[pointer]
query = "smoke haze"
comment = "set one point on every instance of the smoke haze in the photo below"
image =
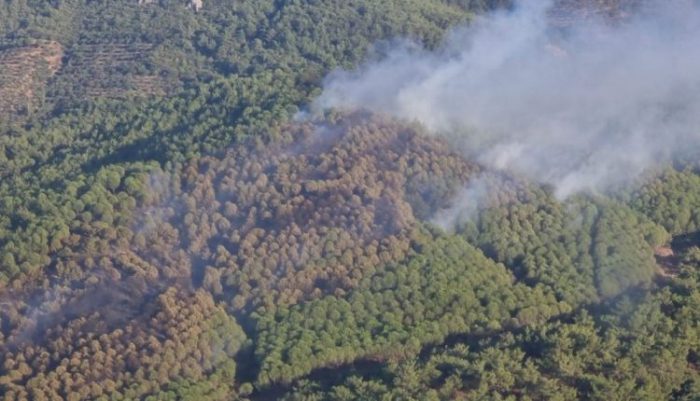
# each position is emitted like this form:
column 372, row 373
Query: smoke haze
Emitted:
column 469, row 201
column 583, row 109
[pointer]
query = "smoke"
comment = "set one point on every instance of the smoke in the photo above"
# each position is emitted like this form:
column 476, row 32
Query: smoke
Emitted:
column 584, row 109
column 465, row 206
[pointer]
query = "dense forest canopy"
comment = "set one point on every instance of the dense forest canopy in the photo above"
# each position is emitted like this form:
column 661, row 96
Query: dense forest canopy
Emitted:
column 175, row 224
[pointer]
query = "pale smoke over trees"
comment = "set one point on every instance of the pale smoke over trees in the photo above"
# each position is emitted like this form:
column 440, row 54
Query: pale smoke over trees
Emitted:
column 584, row 109
column 465, row 206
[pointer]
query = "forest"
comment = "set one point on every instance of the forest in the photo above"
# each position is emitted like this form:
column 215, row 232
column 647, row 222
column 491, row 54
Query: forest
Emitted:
column 172, row 229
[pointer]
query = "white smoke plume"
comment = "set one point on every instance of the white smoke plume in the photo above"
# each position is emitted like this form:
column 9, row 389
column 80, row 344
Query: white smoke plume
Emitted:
column 469, row 201
column 583, row 109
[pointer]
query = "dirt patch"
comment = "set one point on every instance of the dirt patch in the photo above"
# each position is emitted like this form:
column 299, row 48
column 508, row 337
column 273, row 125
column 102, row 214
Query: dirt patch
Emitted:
column 25, row 73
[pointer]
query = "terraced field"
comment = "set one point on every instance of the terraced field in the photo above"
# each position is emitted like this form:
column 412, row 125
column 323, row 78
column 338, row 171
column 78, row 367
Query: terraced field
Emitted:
column 116, row 65
column 25, row 74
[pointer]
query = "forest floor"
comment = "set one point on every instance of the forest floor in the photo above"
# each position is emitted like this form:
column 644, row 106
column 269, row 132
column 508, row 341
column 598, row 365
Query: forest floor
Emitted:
column 669, row 258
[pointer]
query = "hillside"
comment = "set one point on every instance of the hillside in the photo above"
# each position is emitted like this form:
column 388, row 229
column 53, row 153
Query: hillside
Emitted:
column 175, row 224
